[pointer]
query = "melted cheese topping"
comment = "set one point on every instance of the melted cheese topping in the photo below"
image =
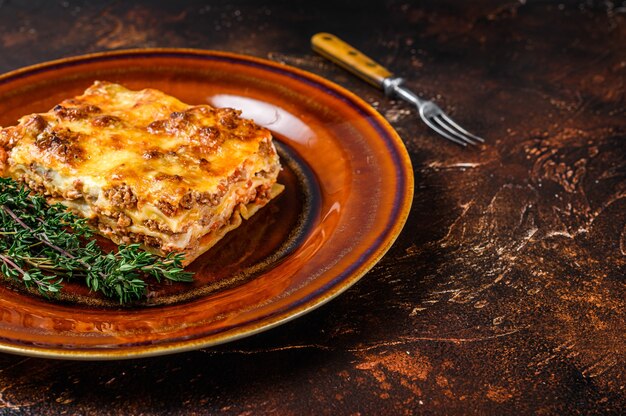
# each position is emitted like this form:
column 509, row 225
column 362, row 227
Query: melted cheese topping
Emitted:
column 169, row 170
column 146, row 139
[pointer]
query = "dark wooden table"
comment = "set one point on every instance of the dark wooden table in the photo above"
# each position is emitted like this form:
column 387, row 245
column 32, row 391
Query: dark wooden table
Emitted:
column 504, row 294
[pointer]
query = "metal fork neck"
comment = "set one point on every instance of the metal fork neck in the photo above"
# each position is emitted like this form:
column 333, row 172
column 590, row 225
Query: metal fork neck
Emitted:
column 394, row 87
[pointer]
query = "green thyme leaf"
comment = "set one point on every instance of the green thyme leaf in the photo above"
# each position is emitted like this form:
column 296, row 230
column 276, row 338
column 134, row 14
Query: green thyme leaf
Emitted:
column 41, row 244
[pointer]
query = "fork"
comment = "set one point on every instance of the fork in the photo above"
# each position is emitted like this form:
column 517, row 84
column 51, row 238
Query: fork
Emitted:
column 344, row 55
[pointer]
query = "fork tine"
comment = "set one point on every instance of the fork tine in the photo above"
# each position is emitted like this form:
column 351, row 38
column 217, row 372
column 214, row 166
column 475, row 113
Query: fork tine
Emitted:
column 442, row 132
column 454, row 132
column 461, row 129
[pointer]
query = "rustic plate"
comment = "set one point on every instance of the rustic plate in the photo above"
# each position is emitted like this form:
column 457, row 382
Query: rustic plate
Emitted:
column 349, row 187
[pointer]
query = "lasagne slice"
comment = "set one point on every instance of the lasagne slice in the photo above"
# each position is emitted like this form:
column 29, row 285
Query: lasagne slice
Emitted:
column 144, row 167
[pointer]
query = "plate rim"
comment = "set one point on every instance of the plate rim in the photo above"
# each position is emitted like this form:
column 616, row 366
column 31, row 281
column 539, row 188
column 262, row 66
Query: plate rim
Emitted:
column 265, row 323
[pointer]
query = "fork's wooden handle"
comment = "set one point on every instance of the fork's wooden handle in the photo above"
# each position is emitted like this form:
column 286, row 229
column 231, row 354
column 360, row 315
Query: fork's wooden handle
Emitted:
column 338, row 51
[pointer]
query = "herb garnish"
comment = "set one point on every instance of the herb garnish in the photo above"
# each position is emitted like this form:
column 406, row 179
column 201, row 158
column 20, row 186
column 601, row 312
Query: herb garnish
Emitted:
column 42, row 244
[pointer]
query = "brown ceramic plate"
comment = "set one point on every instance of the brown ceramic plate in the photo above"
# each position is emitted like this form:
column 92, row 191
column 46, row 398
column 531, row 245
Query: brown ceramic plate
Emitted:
column 349, row 186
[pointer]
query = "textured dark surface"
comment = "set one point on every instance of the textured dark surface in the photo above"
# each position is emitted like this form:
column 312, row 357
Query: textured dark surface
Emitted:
column 504, row 294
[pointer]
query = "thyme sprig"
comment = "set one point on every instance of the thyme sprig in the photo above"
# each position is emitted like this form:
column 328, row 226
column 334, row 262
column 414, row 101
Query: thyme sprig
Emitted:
column 42, row 245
